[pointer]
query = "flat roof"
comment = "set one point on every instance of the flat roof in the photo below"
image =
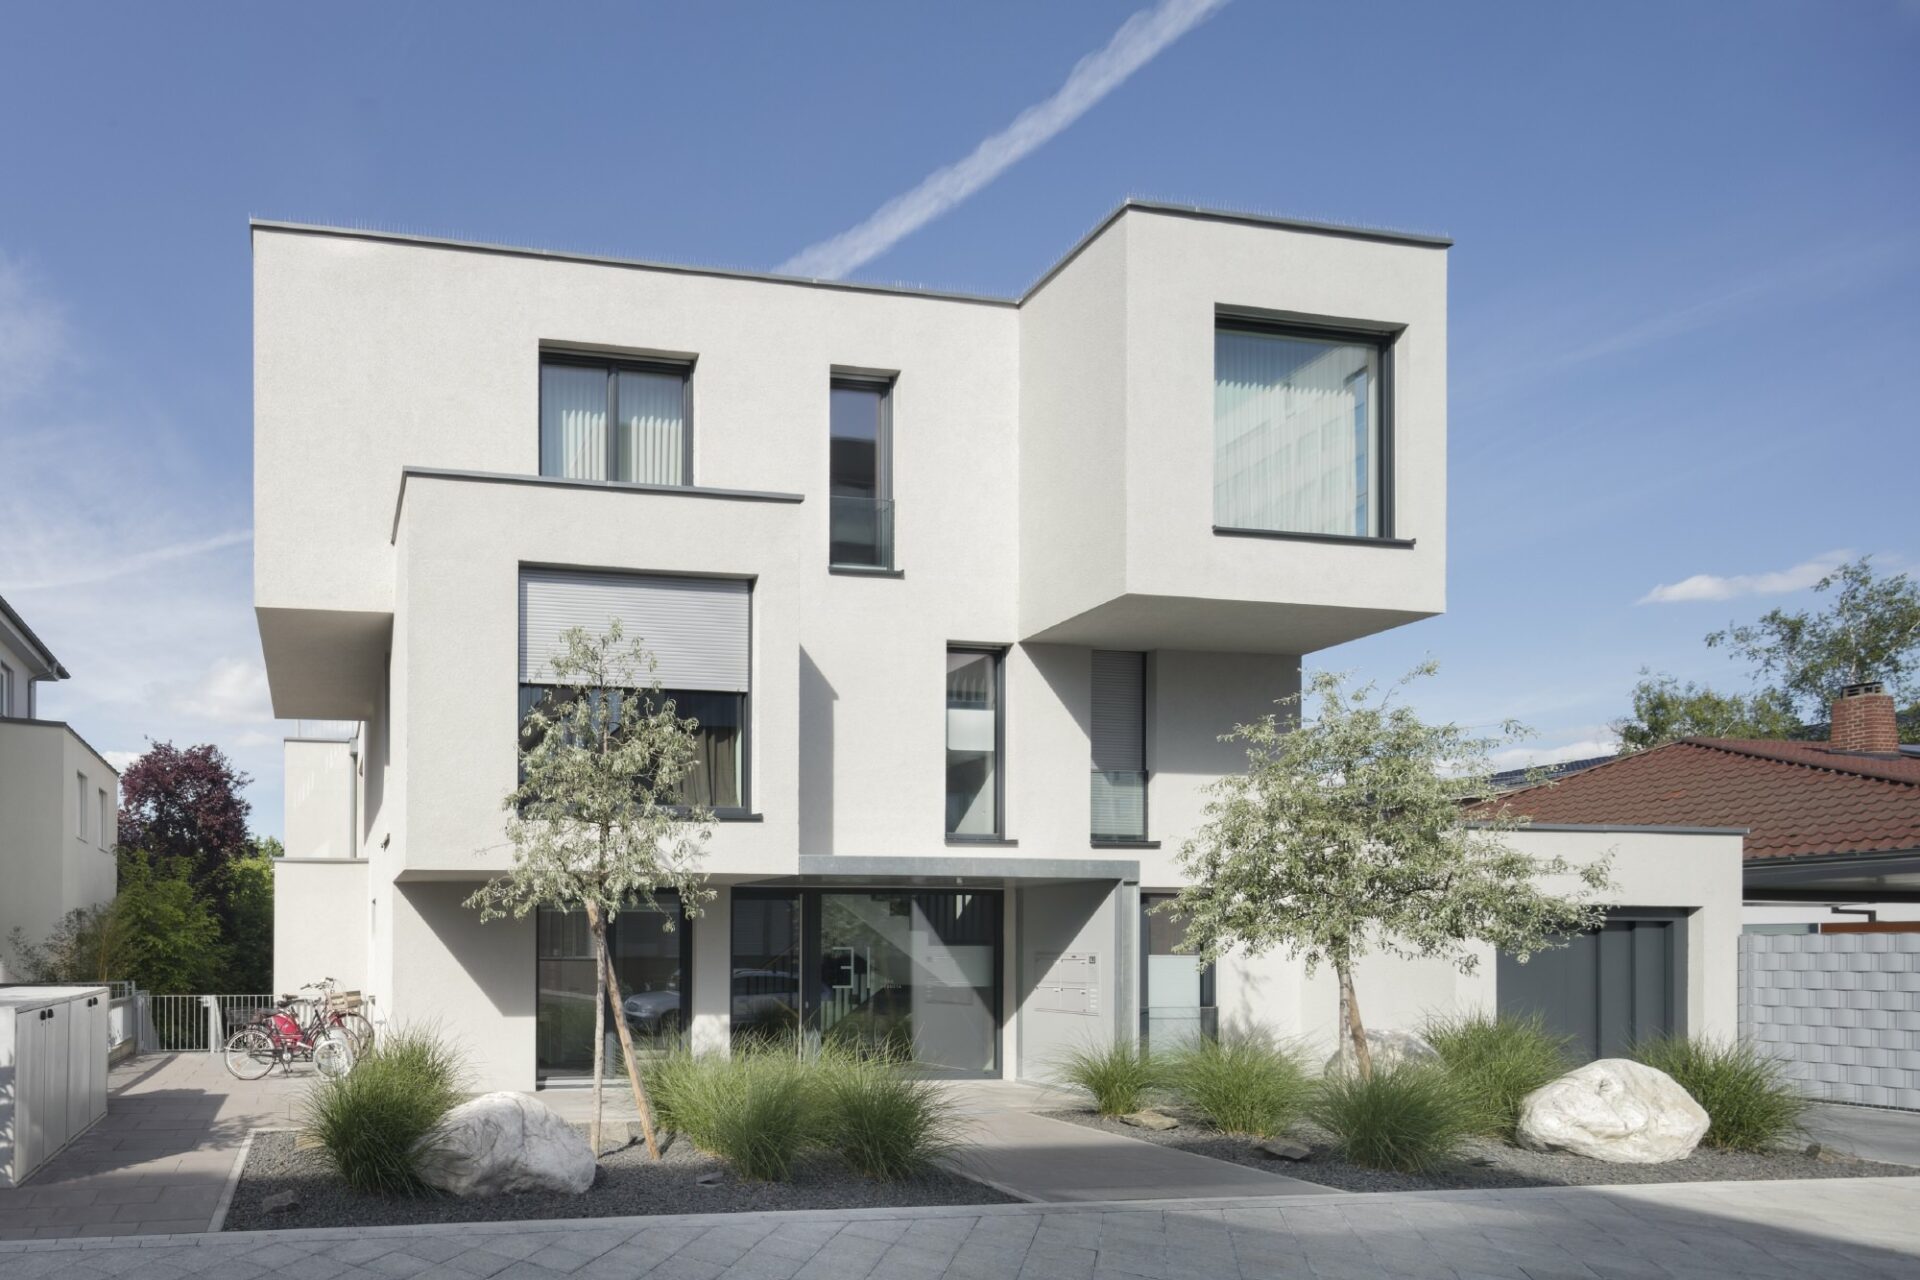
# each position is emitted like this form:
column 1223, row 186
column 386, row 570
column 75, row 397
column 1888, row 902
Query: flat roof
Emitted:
column 1201, row 212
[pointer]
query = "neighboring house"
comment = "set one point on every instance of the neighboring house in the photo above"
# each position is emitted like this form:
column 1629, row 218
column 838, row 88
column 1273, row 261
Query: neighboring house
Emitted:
column 59, row 801
column 1828, row 824
column 962, row 591
column 1830, row 957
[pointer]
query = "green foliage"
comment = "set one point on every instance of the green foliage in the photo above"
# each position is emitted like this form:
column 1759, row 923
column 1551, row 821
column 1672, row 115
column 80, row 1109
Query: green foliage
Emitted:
column 83, row 947
column 755, row 1109
column 1496, row 1062
column 1118, row 1074
column 883, row 1121
column 1868, row 630
column 1748, row 1099
column 1242, row 1083
column 1352, row 833
column 168, row 937
column 247, row 887
column 371, row 1123
column 1408, row 1119
column 1667, row 710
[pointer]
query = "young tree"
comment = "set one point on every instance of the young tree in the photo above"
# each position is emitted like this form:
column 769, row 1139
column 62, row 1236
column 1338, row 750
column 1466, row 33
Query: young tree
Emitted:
column 169, row 938
column 1870, row 630
column 1352, row 833
column 1666, row 710
column 598, row 821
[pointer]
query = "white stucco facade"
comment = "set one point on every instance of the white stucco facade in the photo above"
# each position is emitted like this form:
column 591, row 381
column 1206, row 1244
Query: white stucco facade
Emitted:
column 59, row 803
column 1052, row 479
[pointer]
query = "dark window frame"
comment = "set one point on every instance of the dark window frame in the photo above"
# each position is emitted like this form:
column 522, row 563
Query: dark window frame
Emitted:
column 883, row 385
column 612, row 366
column 1209, row 977
column 741, row 812
column 999, row 654
column 1384, row 341
column 683, row 928
column 1146, row 840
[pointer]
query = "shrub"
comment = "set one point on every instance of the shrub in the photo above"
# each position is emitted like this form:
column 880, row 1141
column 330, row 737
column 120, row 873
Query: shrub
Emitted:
column 1118, row 1075
column 372, row 1122
column 884, row 1122
column 1241, row 1084
column 755, row 1109
column 1748, row 1100
column 1407, row 1119
column 1496, row 1062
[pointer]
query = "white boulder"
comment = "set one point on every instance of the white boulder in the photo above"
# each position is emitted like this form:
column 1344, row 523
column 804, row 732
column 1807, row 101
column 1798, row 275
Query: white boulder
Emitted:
column 1616, row 1110
column 1388, row 1050
column 505, row 1142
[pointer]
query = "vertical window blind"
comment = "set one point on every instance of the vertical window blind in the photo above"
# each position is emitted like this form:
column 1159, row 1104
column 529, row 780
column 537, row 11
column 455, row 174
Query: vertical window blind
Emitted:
column 648, row 410
column 1296, row 426
column 1119, row 783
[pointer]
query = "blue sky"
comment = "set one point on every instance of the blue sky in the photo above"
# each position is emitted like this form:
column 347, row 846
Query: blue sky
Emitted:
column 1683, row 334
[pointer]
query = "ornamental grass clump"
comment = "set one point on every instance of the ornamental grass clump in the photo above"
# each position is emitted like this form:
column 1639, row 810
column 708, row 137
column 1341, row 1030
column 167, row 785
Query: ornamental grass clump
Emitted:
column 1750, row 1103
column 1496, row 1062
column 1407, row 1119
column 1241, row 1084
column 373, row 1123
column 1119, row 1074
column 884, row 1122
column 755, row 1109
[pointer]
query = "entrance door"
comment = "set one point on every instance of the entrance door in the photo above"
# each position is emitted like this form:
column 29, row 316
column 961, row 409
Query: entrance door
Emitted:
column 652, row 962
column 1609, row 989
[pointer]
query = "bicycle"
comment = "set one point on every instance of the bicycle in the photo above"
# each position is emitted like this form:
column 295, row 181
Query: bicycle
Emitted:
column 334, row 1008
column 282, row 1036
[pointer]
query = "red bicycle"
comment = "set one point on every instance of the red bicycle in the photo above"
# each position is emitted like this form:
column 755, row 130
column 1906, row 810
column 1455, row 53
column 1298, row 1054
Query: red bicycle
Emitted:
column 300, row 1029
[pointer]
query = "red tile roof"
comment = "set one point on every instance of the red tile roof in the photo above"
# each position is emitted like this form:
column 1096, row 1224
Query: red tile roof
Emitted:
column 1795, row 798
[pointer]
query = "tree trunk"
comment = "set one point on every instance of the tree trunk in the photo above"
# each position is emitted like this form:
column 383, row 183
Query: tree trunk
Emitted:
column 1350, row 1020
column 599, row 1023
column 626, row 1051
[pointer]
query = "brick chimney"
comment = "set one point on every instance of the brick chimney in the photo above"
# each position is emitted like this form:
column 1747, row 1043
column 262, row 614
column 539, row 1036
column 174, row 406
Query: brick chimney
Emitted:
column 1863, row 720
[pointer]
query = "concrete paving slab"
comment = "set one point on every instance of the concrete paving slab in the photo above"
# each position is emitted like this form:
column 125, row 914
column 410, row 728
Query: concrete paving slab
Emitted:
column 1871, row 1133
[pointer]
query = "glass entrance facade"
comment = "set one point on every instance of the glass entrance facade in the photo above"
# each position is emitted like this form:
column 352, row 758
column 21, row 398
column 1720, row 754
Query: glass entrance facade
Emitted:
column 1176, row 990
column 914, row 973
column 652, row 962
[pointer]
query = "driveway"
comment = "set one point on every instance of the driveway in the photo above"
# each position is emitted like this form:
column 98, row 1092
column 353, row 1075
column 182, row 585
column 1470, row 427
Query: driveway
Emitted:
column 1871, row 1133
column 159, row 1160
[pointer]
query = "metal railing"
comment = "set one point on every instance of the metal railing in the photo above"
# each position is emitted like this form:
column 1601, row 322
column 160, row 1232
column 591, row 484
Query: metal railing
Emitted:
column 861, row 534
column 1119, row 805
column 193, row 1024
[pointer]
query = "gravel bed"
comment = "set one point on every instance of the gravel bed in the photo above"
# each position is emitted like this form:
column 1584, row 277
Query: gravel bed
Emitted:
column 1486, row 1163
column 628, row 1183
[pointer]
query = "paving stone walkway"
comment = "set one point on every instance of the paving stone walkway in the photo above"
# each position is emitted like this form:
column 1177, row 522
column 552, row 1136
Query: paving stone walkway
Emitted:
column 159, row 1160
column 1839, row 1229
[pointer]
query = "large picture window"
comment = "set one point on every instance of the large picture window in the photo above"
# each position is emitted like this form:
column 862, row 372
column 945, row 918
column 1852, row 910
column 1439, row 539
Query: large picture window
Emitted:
column 624, row 420
column 696, row 632
column 1300, row 427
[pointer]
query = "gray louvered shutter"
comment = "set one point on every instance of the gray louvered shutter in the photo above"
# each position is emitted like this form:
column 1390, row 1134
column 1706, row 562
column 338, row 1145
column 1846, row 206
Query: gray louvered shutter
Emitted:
column 1119, row 711
column 696, row 628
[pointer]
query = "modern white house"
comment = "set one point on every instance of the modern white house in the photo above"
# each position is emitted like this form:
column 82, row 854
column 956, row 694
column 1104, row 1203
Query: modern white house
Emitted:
column 59, row 802
column 962, row 591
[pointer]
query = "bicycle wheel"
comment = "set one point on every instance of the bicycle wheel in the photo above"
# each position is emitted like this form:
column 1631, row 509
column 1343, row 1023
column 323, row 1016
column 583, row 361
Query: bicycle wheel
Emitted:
column 251, row 1053
column 333, row 1056
column 359, row 1033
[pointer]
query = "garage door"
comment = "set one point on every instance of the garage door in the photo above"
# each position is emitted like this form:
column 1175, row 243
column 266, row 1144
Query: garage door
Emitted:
column 1619, row 984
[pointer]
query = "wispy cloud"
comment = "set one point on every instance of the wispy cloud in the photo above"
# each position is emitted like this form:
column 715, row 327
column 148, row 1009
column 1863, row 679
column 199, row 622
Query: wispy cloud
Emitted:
column 1138, row 41
column 1712, row 586
column 134, row 562
column 33, row 332
column 1540, row 757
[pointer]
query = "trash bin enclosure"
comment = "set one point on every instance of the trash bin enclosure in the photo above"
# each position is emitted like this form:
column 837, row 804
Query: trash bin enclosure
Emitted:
column 53, row 1072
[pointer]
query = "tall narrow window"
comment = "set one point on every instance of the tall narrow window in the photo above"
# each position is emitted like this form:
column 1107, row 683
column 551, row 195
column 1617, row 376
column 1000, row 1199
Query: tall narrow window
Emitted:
column 80, row 805
column 974, row 743
column 6, row 689
column 1298, row 431
column 1119, row 799
column 860, row 485
column 108, row 828
column 1176, row 990
column 625, row 421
